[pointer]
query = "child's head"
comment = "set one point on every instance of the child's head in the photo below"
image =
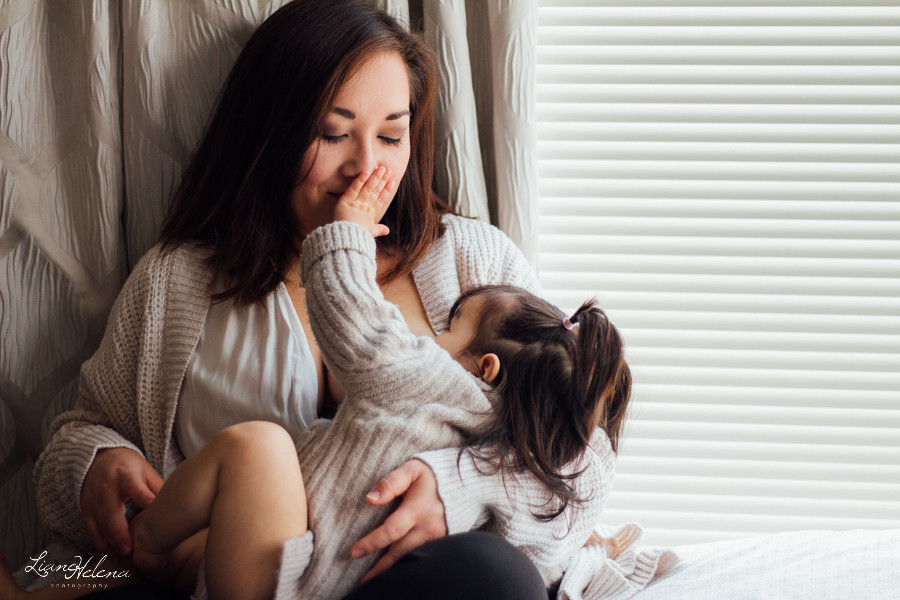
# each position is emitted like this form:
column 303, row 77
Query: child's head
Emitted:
column 558, row 378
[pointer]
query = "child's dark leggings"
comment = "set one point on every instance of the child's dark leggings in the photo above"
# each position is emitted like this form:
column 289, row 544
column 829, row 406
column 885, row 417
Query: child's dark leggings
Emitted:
column 467, row 566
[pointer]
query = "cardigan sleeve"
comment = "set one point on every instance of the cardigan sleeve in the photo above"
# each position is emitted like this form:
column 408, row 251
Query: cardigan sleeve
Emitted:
column 128, row 389
column 507, row 504
column 107, row 381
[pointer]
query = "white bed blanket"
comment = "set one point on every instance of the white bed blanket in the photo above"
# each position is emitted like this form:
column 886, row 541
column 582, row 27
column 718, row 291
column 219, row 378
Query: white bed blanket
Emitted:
column 801, row 565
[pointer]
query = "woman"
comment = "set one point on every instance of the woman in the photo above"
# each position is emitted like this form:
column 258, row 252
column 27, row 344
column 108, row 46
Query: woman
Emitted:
column 211, row 328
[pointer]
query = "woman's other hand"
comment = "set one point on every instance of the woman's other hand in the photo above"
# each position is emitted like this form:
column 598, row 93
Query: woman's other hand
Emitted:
column 116, row 476
column 418, row 519
column 364, row 200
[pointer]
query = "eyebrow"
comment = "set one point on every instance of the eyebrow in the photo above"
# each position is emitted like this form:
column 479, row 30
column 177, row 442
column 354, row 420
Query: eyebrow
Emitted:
column 349, row 114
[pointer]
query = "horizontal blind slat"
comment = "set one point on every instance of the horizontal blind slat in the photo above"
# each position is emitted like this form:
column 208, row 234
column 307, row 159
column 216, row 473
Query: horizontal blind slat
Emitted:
column 724, row 170
column 715, row 189
column 696, row 54
column 770, row 75
column 720, row 36
column 765, row 487
column 854, row 209
column 637, row 466
column 718, row 93
column 593, row 15
column 592, row 225
column 711, row 112
column 808, row 133
column 679, row 152
column 739, row 451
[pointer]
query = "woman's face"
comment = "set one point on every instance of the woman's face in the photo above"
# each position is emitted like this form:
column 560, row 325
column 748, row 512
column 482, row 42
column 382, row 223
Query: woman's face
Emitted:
column 367, row 127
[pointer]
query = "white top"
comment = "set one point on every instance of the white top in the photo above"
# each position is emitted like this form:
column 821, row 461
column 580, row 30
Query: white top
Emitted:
column 251, row 364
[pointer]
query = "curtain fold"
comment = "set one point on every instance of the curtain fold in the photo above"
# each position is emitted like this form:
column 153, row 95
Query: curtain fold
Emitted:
column 485, row 135
column 101, row 104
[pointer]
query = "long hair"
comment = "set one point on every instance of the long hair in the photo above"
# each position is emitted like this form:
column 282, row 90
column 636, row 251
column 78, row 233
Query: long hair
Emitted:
column 555, row 385
column 234, row 195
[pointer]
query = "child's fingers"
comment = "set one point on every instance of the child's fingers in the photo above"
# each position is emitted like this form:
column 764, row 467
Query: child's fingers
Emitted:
column 387, row 192
column 356, row 186
column 377, row 181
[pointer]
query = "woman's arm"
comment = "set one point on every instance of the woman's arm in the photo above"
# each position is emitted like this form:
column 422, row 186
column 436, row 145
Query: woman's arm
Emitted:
column 127, row 384
column 78, row 436
column 470, row 498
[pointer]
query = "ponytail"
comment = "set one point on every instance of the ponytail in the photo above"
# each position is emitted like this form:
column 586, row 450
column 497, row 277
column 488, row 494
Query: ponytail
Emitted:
column 560, row 378
column 600, row 374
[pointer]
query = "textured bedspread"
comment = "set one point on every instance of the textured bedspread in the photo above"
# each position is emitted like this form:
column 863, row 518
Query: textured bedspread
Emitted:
column 803, row 565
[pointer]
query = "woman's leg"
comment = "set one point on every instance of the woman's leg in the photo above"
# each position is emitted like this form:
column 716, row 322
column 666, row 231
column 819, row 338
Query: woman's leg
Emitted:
column 246, row 486
column 472, row 565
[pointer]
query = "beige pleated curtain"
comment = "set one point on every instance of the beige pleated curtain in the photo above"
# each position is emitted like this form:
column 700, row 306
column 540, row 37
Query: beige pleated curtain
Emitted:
column 101, row 103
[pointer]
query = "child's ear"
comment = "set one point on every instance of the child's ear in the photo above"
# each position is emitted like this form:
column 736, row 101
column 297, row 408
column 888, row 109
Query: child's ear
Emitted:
column 489, row 366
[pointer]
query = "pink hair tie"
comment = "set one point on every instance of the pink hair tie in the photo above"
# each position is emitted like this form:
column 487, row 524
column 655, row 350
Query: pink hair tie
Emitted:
column 568, row 324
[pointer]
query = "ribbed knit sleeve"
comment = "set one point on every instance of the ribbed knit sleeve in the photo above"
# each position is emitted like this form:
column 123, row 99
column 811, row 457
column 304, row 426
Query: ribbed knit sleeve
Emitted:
column 129, row 388
column 510, row 503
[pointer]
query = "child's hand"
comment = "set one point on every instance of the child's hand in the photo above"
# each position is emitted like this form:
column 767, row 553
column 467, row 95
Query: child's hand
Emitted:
column 364, row 200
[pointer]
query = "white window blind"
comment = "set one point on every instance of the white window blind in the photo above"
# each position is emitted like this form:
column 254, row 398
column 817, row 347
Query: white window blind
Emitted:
column 725, row 178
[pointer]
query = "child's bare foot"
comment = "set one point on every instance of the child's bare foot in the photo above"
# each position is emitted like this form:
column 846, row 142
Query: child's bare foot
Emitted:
column 8, row 587
column 146, row 556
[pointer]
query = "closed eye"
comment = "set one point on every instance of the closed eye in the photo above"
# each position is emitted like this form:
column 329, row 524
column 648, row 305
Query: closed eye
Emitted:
column 391, row 141
column 333, row 139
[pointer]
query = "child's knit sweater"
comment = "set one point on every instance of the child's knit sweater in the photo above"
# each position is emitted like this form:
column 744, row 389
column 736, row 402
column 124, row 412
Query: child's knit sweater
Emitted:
column 405, row 395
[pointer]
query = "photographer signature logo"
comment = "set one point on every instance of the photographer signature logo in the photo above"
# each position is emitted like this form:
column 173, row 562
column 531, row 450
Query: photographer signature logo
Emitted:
column 80, row 568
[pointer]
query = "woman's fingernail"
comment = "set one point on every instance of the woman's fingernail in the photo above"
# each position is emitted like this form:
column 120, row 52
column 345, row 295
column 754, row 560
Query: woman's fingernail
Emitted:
column 358, row 553
column 373, row 495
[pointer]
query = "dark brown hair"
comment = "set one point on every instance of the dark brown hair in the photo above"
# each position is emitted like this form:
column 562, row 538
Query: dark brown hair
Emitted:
column 555, row 385
column 234, row 195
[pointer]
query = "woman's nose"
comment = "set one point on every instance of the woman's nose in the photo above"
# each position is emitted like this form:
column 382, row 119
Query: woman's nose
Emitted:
column 361, row 158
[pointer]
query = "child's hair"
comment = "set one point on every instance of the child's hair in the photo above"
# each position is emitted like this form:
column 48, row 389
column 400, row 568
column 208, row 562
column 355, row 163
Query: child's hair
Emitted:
column 558, row 380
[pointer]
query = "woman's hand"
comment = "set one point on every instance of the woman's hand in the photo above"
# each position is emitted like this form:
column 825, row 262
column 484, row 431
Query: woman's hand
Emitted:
column 364, row 200
column 418, row 519
column 116, row 476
